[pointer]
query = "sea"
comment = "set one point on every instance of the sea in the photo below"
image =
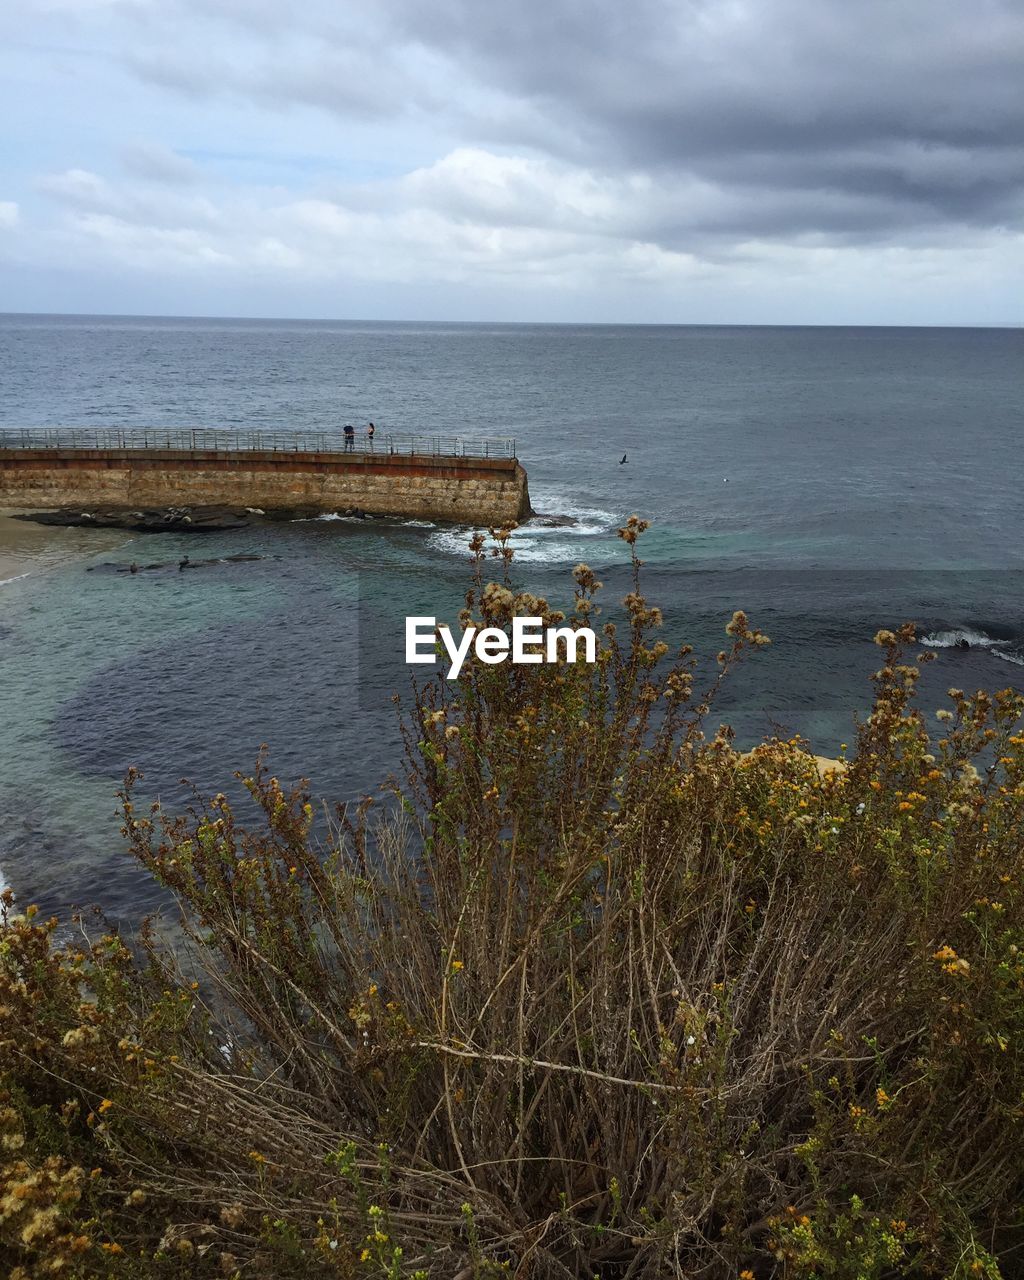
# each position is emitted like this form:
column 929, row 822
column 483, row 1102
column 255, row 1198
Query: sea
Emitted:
column 829, row 481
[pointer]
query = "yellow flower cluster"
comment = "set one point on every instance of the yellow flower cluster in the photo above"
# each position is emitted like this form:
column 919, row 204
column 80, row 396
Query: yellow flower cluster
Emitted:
column 951, row 962
column 35, row 1207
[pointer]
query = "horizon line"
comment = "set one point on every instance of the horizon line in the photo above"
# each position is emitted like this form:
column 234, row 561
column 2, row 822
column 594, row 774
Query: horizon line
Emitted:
column 587, row 324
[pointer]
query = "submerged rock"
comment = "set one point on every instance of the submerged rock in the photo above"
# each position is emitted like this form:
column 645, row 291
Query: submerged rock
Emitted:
column 110, row 566
column 553, row 522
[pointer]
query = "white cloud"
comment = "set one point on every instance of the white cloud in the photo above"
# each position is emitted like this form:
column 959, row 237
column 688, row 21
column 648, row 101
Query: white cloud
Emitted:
column 515, row 190
column 138, row 204
column 8, row 215
column 473, row 215
column 79, row 188
column 479, row 220
column 149, row 248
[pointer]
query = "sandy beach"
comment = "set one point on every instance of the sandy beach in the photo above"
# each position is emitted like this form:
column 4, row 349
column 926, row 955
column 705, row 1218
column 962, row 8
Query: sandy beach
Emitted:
column 21, row 546
column 28, row 548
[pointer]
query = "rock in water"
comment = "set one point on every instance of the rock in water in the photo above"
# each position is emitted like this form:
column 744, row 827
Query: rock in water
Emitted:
column 160, row 520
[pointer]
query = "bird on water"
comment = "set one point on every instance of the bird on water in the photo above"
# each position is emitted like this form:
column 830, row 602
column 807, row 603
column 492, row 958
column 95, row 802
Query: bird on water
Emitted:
column 622, row 459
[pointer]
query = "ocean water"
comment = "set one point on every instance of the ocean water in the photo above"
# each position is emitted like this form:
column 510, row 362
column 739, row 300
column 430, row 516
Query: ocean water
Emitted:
column 829, row 481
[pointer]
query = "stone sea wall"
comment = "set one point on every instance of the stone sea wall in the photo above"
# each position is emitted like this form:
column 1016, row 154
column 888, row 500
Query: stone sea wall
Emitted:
column 481, row 491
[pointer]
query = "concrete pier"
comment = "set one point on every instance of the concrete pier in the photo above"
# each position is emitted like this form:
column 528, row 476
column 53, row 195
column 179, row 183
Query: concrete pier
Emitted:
column 477, row 482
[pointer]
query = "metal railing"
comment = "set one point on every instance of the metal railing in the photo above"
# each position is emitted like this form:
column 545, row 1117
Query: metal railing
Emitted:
column 201, row 439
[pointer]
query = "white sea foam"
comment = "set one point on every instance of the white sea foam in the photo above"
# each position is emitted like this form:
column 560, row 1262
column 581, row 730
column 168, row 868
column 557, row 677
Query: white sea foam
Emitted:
column 951, row 638
column 549, row 551
column 588, row 524
column 1004, row 650
column 537, row 543
column 589, row 520
column 556, row 546
column 326, row 515
column 17, row 578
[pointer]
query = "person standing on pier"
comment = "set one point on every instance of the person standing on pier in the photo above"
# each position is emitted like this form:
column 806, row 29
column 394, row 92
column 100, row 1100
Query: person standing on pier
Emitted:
column 371, row 431
column 350, row 437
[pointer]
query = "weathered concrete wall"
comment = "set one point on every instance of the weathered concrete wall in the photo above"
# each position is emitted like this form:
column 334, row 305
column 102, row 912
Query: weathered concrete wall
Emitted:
column 483, row 491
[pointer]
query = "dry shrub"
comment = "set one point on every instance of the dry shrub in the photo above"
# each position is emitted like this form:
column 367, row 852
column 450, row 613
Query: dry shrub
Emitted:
column 607, row 999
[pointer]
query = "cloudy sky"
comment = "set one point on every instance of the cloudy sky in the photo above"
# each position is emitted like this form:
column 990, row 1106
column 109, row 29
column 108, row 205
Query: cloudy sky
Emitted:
column 736, row 161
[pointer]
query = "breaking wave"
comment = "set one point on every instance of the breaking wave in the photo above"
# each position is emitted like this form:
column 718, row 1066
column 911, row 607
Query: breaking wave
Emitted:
column 538, row 542
column 954, row 637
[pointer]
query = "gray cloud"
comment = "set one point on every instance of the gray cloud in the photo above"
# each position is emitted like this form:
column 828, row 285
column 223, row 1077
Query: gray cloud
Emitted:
column 154, row 162
column 866, row 117
column 852, row 120
column 342, row 59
